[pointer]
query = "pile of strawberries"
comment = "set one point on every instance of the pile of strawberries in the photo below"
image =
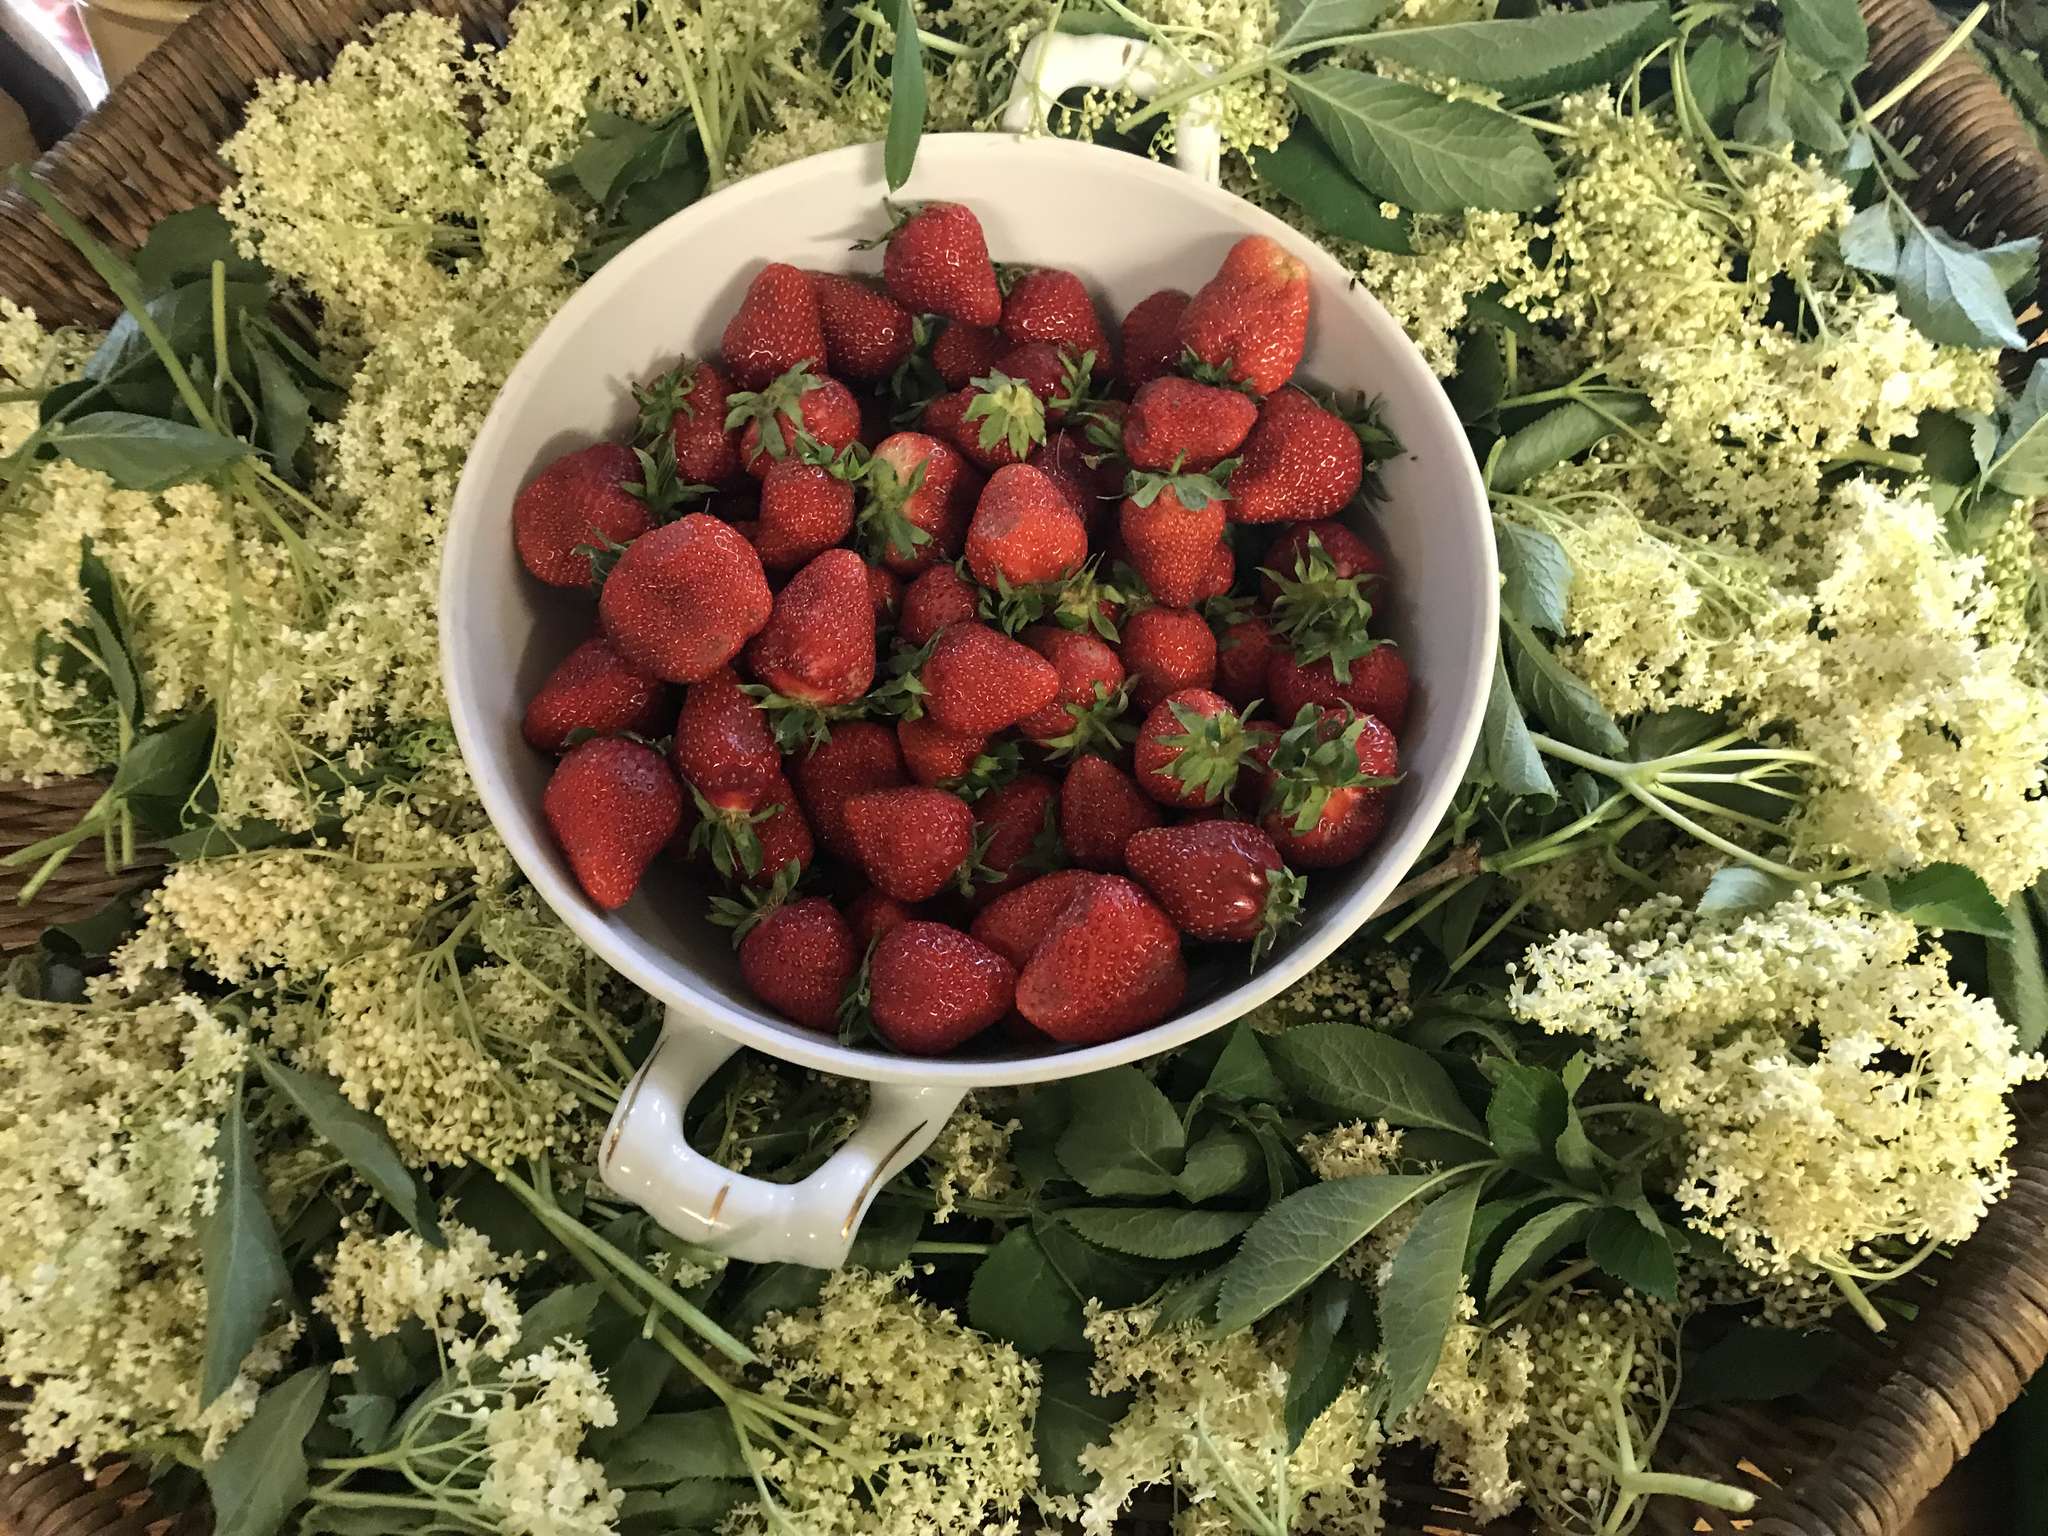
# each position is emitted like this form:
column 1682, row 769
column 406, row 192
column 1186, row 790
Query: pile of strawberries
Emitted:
column 982, row 719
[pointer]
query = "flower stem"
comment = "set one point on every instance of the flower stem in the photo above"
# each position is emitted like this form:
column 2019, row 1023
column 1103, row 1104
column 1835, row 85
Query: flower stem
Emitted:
column 1927, row 66
column 1703, row 1490
column 1858, row 1301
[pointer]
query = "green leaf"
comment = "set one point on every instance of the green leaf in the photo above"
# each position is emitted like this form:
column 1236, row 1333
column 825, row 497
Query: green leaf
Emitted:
column 360, row 1137
column 1557, row 695
column 772, row 1288
column 1506, row 756
column 1794, row 104
column 1124, row 1137
column 113, row 640
column 1870, row 241
column 1189, row 1299
column 144, row 453
column 1948, row 896
column 365, row 1417
column 166, row 764
column 1306, row 23
column 1419, row 1301
column 245, row 1269
column 1718, row 70
column 1831, row 33
column 1156, row 1232
column 1756, row 1363
column 696, row 1504
column 1017, row 1295
column 563, row 1313
column 1530, row 56
column 1526, row 1115
column 1218, row 1164
column 1736, row 889
column 2018, row 983
column 1094, row 1273
column 1324, row 1355
column 1543, row 1236
column 1304, row 171
column 668, row 1447
column 2019, row 463
column 906, row 98
column 1574, row 1150
column 285, row 414
column 1952, row 292
column 1359, row 1071
column 260, row 1475
column 1303, row 1235
column 1628, row 1250
column 1563, row 432
column 1071, row 1419
column 1418, row 149
column 182, row 248
column 1536, row 575
column 1242, row 1071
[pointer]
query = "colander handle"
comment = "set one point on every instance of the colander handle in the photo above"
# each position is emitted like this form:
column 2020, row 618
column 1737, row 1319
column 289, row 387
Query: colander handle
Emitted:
column 645, row 1159
column 1054, row 63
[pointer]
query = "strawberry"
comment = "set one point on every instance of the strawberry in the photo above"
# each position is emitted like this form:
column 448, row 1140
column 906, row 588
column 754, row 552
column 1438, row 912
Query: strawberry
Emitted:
column 1218, row 574
column 918, row 495
column 1320, row 609
column 1241, row 658
column 911, row 842
column 998, row 420
column 1328, row 801
column 1151, row 337
column 688, row 403
column 1249, row 323
column 935, row 755
column 1047, row 304
column 939, row 596
column 799, row 414
column 578, row 503
column 1016, row 832
column 885, row 592
column 931, row 987
column 804, row 509
column 1373, row 684
column 1300, row 463
column 867, row 333
column 1023, row 532
column 937, row 264
column 819, row 646
column 798, row 959
column 1109, row 965
column 784, row 834
column 1085, row 711
column 1289, row 556
column 1165, row 650
column 612, row 805
column 1081, row 473
column 1016, row 922
column 1170, row 526
column 977, row 681
column 872, row 914
column 593, row 690
column 683, row 599
column 1190, row 749
column 1060, row 379
column 1219, row 880
column 859, row 756
column 775, row 329
column 963, row 353
column 1100, row 807
column 1175, row 422
column 725, row 755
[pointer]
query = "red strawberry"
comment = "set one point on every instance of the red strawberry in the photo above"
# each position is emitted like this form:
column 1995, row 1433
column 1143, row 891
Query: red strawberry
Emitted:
column 1015, row 824
column 612, row 805
column 872, row 914
column 1084, row 712
column 918, row 498
column 1301, row 462
column 931, row 987
column 1377, row 684
column 683, row 599
column 1151, row 337
column 1046, row 304
column 784, row 833
column 1241, row 657
column 998, row 420
column 910, row 842
column 939, row 596
column 1249, row 323
column 867, row 333
column 937, row 264
column 1176, row 423
column 775, row 329
column 1023, row 531
column 1165, row 650
column 1170, row 529
column 722, row 744
column 977, row 681
column 1190, row 749
column 1016, row 922
column 1328, row 803
column 1100, row 807
column 1218, row 574
column 1059, row 378
column 934, row 754
column 963, row 353
column 804, row 509
column 819, row 646
column 578, row 502
column 1067, row 460
column 1219, row 880
column 1290, row 556
column 776, row 420
column 1110, row 965
column 860, row 755
column 593, row 690
column 689, row 404
column 885, row 591
column 798, row 960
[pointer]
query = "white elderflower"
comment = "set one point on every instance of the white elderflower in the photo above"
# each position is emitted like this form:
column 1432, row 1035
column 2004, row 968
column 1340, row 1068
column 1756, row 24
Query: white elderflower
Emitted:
column 536, row 1482
column 376, row 1284
column 971, row 1159
column 1351, row 1148
column 1369, row 988
column 1474, row 1405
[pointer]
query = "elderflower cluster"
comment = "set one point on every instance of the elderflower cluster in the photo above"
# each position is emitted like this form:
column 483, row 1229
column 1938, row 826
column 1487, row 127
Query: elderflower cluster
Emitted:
column 1835, row 1088
column 1454, row 258
column 378, row 1283
column 1351, row 1148
column 536, row 1482
column 1207, row 1421
column 1476, row 1402
column 971, row 1159
column 936, row 1432
column 1366, row 988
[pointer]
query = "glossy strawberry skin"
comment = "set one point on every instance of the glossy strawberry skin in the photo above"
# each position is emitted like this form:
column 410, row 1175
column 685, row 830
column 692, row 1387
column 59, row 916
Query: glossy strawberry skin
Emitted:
column 872, row 914
column 683, row 599
column 819, row 644
column 1171, row 545
column 612, row 805
column 1151, row 337
column 1178, row 421
column 1242, row 655
column 828, row 413
column 1023, row 531
column 1101, row 806
column 937, row 264
column 932, row 987
column 1251, row 319
column 798, row 960
column 1016, row 922
column 1050, row 305
column 867, row 333
column 578, row 501
column 1109, row 966
column 723, row 747
column 803, row 510
column 1212, row 877
column 1165, row 650
column 1352, row 819
column 593, row 690
column 947, row 417
column 1300, row 463
column 707, row 451
column 940, row 596
column 938, row 508
column 1084, row 662
column 964, row 353
column 776, row 327
column 935, row 755
column 1012, row 817
column 1347, row 553
column 885, row 593
column 978, row 681
column 1378, row 685
column 911, row 842
column 860, row 755
column 1219, row 574
column 1152, row 758
column 785, row 834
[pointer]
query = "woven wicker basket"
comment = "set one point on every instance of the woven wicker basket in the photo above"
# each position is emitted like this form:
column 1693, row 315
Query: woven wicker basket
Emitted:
column 1853, row 1461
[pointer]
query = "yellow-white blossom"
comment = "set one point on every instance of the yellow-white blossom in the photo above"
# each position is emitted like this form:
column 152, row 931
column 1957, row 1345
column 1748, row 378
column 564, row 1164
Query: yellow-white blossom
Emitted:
column 971, row 1159
column 378, row 1283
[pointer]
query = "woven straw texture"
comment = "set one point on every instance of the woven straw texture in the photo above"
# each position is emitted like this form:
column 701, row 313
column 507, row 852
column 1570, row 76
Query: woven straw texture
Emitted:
column 1853, row 1462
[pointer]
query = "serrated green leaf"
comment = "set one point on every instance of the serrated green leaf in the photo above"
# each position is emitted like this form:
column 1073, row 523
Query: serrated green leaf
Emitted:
column 1017, row 1295
column 1218, row 1164
column 1574, row 1150
column 1952, row 291
column 1536, row 575
column 2018, row 464
column 1530, row 56
column 1091, row 1272
column 1304, row 171
column 1756, row 1363
column 1303, row 1235
column 145, row 453
column 1359, row 1071
column 244, row 1263
column 1948, row 896
column 1639, row 1258
column 1526, row 1114
column 1242, row 1072
column 1736, row 889
column 1544, row 1235
column 1310, row 23
column 360, row 1137
column 1070, row 1420
column 1870, row 240
column 1418, row 149
column 259, row 1477
column 1560, row 699
column 1831, row 33
column 906, row 97
column 1718, row 70
column 1124, row 1137
column 1189, row 1299
column 1563, row 432
column 1156, row 1232
column 1506, row 756
column 365, row 1417
column 668, row 1447
column 1324, row 1355
column 1419, row 1301
column 695, row 1504
column 2018, row 983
